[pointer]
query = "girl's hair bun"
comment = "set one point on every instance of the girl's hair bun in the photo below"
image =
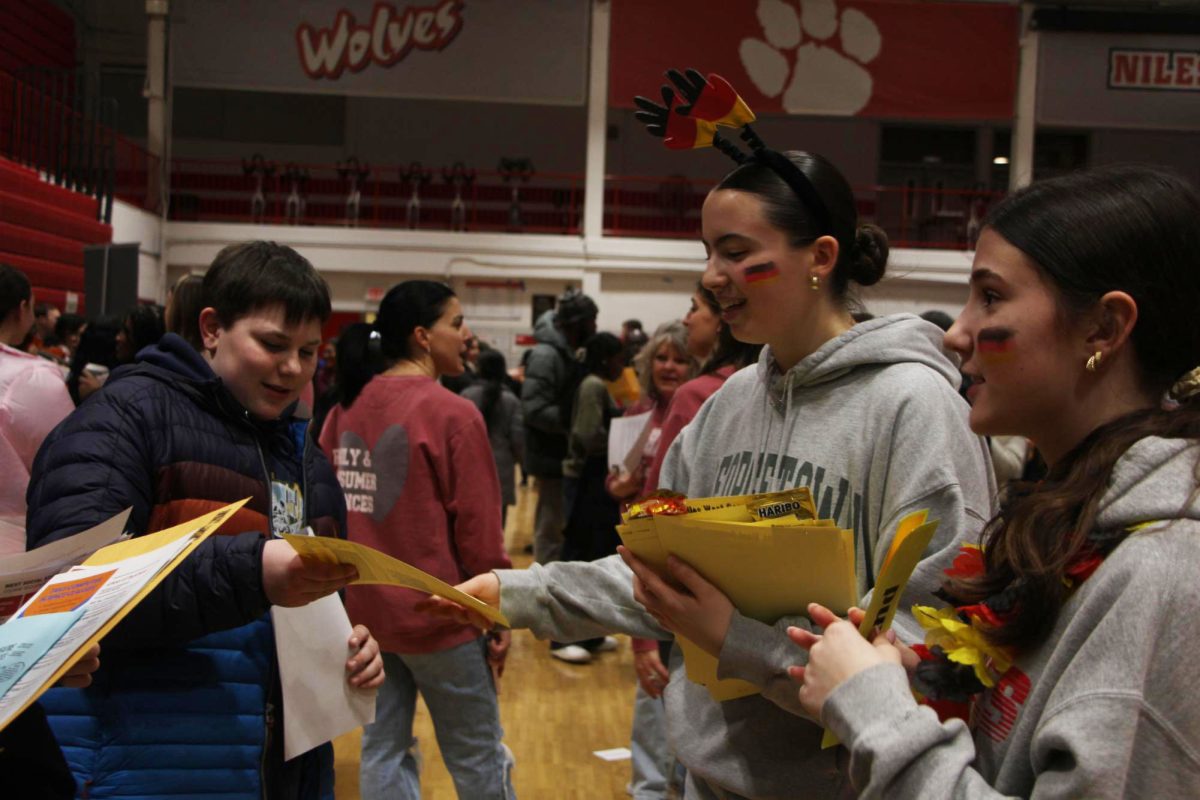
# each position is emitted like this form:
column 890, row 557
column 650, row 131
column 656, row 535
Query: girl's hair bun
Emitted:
column 868, row 255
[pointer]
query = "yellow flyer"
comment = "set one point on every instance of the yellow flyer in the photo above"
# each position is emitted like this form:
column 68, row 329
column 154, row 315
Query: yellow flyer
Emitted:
column 380, row 568
column 913, row 535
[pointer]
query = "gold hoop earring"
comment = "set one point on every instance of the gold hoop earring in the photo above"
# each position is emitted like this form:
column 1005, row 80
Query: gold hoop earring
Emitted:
column 1093, row 363
column 814, row 283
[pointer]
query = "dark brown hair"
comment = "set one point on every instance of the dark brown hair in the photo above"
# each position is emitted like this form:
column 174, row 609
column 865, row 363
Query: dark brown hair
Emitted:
column 862, row 249
column 253, row 275
column 729, row 351
column 1132, row 229
column 14, row 290
column 182, row 315
column 407, row 306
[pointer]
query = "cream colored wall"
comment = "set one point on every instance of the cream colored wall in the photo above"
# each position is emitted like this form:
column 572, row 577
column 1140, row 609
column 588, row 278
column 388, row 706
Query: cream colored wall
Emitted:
column 132, row 224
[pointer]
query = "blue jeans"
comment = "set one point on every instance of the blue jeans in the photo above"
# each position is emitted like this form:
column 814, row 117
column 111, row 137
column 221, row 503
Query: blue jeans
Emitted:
column 654, row 772
column 458, row 689
column 651, row 760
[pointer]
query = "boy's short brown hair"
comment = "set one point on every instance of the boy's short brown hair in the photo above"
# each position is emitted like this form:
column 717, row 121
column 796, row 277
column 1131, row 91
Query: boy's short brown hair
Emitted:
column 252, row 275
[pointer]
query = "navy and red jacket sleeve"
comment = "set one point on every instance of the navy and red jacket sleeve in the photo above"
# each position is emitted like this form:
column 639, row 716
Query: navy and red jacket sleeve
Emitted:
column 104, row 458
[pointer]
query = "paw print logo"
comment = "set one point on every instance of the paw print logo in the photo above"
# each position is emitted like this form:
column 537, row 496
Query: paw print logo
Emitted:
column 812, row 56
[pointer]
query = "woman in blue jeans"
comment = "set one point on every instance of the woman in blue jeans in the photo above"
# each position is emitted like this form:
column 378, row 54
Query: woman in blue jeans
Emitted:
column 416, row 467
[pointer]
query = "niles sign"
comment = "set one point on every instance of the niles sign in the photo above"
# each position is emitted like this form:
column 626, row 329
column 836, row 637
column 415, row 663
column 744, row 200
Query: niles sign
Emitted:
column 1134, row 81
column 385, row 40
column 1164, row 70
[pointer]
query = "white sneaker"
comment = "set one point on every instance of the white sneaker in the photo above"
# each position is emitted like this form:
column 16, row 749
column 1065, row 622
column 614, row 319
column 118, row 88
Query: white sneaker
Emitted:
column 572, row 654
column 607, row 646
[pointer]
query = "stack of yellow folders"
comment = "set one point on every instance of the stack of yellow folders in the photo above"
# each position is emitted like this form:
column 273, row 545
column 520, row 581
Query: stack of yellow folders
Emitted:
column 768, row 553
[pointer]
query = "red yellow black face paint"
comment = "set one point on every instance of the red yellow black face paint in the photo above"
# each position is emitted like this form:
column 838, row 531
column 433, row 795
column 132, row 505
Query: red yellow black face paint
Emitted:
column 761, row 273
column 995, row 344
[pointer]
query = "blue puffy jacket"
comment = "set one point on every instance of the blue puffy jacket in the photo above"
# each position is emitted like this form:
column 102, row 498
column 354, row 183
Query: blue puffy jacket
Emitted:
column 186, row 701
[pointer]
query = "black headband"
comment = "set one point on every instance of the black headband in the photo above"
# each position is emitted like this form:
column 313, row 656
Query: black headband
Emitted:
column 793, row 176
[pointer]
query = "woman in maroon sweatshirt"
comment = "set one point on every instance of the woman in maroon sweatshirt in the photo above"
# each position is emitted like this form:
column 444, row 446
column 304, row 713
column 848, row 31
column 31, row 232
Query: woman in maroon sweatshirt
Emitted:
column 415, row 464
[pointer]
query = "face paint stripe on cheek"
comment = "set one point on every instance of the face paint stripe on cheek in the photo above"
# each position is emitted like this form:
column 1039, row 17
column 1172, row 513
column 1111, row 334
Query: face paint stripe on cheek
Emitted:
column 761, row 273
column 995, row 344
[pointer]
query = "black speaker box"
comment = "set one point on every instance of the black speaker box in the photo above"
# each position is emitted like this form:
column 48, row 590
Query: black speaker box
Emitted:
column 110, row 279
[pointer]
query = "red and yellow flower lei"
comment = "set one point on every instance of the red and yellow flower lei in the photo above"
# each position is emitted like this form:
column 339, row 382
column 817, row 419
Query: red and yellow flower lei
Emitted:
column 957, row 659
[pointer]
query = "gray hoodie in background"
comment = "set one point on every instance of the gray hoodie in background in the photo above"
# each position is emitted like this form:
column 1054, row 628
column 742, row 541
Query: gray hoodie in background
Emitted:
column 873, row 423
column 1106, row 707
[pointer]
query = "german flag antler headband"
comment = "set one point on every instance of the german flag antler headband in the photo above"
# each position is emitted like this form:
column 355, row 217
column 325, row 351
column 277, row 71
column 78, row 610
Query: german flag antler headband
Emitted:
column 711, row 102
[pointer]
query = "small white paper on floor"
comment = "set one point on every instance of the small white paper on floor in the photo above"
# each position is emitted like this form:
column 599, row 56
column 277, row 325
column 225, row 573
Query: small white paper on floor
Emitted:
column 318, row 704
column 615, row 754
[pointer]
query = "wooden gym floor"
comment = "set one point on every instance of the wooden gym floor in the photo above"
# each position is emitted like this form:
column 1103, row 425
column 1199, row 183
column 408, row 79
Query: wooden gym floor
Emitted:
column 555, row 715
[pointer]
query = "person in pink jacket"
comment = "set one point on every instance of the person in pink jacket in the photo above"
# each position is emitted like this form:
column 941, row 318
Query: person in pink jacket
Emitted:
column 33, row 399
column 415, row 463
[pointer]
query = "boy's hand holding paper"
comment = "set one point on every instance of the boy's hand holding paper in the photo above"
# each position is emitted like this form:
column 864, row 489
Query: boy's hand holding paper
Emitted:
column 290, row 580
column 380, row 568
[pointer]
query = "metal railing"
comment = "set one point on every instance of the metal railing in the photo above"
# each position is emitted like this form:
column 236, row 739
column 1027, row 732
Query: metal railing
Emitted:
column 50, row 122
column 375, row 196
column 947, row 219
column 393, row 196
column 669, row 207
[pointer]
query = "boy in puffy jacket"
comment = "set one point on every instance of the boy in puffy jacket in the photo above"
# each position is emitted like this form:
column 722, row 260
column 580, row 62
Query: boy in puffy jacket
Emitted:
column 187, row 701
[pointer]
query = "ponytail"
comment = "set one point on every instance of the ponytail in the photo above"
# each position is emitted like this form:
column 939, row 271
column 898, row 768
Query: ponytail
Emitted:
column 358, row 361
column 862, row 249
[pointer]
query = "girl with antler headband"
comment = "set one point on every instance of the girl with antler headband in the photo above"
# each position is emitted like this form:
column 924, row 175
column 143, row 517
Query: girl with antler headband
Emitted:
column 1070, row 643
column 867, row 415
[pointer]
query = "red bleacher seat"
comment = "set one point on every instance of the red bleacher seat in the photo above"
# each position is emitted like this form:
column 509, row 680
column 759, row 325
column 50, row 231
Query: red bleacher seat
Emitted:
column 43, row 230
column 25, row 182
column 49, row 218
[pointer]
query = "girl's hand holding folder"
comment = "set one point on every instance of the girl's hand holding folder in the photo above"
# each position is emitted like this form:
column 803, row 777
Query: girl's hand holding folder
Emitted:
column 694, row 609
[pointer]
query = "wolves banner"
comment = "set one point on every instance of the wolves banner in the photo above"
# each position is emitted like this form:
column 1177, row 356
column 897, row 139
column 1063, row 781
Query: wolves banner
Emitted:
column 521, row 51
column 875, row 58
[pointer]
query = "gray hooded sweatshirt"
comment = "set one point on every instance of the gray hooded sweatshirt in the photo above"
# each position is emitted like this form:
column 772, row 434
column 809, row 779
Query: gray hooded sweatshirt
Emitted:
column 1106, row 707
column 873, row 423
